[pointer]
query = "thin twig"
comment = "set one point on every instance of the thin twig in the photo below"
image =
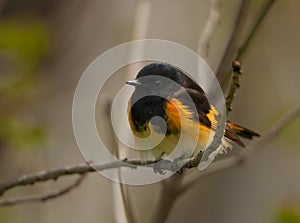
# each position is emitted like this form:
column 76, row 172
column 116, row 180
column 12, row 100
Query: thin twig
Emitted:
column 272, row 133
column 261, row 15
column 43, row 197
column 236, row 48
column 54, row 174
column 31, row 179
column 233, row 43
column 210, row 25
column 234, row 85
column 243, row 155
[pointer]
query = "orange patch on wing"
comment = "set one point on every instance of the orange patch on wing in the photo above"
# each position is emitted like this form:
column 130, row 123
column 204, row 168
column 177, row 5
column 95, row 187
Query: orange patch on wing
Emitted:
column 234, row 127
column 213, row 113
column 180, row 118
column 176, row 112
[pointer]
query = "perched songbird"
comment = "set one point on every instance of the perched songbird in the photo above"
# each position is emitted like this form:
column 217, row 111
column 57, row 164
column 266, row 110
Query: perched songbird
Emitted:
column 167, row 103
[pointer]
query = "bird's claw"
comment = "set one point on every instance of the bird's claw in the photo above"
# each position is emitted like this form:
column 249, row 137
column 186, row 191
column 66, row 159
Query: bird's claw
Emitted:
column 157, row 168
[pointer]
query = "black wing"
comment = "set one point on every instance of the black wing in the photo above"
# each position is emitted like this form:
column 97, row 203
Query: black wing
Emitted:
column 200, row 107
column 197, row 103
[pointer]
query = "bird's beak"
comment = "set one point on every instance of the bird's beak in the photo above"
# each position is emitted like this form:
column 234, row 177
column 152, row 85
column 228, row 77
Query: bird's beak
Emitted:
column 134, row 83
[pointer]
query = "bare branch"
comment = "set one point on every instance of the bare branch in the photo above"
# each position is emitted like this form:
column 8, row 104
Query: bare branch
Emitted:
column 43, row 197
column 235, row 48
column 166, row 199
column 211, row 23
column 242, row 156
column 233, row 44
column 84, row 168
column 261, row 15
column 31, row 179
column 234, row 85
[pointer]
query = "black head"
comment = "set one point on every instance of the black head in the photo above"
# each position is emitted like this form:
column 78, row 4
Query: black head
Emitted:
column 156, row 78
column 160, row 69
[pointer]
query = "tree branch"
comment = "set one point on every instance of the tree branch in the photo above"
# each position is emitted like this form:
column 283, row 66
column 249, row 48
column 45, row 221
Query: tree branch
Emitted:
column 84, row 168
column 31, row 179
column 235, row 48
column 233, row 43
column 167, row 197
column 211, row 23
column 261, row 15
column 43, row 197
column 235, row 84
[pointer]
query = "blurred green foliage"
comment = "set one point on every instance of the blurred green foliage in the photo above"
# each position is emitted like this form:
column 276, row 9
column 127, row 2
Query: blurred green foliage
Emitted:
column 26, row 40
column 288, row 215
column 19, row 134
column 23, row 44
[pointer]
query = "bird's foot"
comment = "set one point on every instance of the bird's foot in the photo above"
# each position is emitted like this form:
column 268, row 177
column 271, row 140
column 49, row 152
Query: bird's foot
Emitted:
column 157, row 168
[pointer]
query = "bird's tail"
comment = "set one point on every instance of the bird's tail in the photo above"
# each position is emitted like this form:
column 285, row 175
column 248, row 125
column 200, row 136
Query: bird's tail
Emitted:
column 242, row 131
column 233, row 132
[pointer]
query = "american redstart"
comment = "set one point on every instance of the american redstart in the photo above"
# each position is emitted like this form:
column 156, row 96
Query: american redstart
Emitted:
column 164, row 91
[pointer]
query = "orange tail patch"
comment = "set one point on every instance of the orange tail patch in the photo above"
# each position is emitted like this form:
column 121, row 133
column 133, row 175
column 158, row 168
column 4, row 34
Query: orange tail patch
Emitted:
column 241, row 131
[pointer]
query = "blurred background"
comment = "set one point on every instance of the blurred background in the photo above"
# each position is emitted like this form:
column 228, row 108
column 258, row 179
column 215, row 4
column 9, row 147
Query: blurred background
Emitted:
column 45, row 46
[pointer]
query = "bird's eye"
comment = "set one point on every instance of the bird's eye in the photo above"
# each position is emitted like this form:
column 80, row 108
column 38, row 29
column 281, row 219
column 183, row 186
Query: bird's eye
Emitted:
column 157, row 83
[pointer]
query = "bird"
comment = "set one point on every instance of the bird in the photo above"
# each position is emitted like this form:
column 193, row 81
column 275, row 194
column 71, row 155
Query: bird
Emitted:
column 165, row 104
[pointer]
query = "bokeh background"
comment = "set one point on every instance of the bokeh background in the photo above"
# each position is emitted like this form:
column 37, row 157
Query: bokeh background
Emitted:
column 45, row 47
